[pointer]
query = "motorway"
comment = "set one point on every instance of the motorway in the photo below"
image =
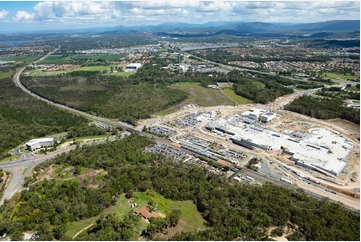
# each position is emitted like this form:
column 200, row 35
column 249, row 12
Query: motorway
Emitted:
column 17, row 168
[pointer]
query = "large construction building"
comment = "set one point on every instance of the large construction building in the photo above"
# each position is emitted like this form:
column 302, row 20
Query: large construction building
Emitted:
column 39, row 143
column 259, row 115
column 318, row 149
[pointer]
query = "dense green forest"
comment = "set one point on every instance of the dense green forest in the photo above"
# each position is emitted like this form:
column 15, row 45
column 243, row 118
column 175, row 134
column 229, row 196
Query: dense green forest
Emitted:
column 112, row 97
column 23, row 117
column 324, row 108
column 261, row 92
column 123, row 98
column 232, row 211
column 337, row 92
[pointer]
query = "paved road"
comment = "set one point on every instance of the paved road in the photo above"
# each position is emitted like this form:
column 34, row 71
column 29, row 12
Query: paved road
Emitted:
column 21, row 168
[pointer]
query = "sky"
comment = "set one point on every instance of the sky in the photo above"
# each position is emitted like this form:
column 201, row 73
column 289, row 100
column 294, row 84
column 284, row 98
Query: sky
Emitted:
column 52, row 15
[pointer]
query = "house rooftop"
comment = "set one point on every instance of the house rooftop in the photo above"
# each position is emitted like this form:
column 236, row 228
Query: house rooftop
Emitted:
column 145, row 213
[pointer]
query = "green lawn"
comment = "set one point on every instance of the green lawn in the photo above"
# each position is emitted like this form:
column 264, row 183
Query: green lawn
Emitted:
column 122, row 74
column 202, row 96
column 206, row 97
column 74, row 227
column 73, row 59
column 84, row 68
column 191, row 218
column 92, row 68
column 21, row 58
column 95, row 137
column 333, row 75
column 24, row 171
column 352, row 88
column 239, row 100
column 5, row 74
column 45, row 73
column 12, row 157
column 102, row 57
column 58, row 60
column 54, row 73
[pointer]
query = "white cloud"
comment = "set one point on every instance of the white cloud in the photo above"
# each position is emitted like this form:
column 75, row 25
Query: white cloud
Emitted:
column 46, row 10
column 156, row 4
column 217, row 6
column 3, row 13
column 23, row 16
column 160, row 11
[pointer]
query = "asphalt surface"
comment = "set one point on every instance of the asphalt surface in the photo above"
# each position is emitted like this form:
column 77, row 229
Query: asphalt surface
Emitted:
column 21, row 168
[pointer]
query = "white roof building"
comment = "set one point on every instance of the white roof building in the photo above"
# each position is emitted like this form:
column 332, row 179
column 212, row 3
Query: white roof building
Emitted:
column 318, row 149
column 39, row 143
column 268, row 117
column 133, row 67
column 254, row 113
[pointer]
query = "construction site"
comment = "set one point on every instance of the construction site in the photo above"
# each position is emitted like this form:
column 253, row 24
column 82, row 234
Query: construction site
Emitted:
column 289, row 148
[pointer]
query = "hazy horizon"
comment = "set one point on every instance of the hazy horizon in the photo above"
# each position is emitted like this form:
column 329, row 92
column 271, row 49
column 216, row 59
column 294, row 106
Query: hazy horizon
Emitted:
column 16, row 16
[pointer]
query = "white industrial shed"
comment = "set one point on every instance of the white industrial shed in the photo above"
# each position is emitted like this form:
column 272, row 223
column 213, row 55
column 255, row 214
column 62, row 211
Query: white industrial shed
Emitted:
column 133, row 67
column 39, row 143
column 319, row 149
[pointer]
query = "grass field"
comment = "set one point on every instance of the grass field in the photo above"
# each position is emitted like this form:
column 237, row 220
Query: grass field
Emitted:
column 54, row 73
column 84, row 68
column 73, row 59
column 74, row 227
column 206, row 97
column 333, row 75
column 6, row 74
column 95, row 137
column 12, row 157
column 122, row 73
column 202, row 96
column 21, row 58
column 190, row 220
column 229, row 92
column 45, row 73
column 353, row 88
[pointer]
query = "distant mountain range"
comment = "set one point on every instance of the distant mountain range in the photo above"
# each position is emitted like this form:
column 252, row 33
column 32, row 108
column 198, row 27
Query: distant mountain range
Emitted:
column 240, row 28
column 328, row 29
